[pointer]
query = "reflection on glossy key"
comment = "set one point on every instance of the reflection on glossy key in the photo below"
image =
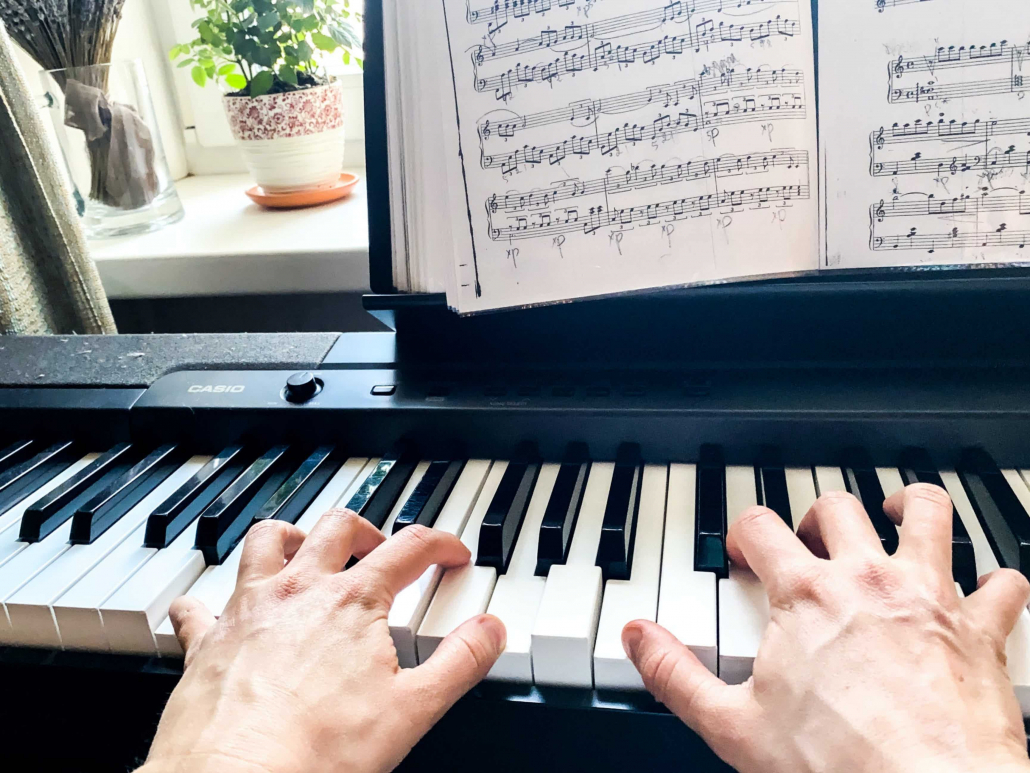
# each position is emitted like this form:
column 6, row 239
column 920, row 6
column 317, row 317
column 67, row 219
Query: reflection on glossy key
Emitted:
column 28, row 477
column 563, row 509
column 710, row 549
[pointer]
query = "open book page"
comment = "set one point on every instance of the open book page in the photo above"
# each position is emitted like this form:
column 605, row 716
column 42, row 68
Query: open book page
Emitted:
column 925, row 131
column 609, row 146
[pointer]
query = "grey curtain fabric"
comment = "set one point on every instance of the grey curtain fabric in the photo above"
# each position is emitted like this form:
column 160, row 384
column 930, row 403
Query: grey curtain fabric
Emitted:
column 48, row 283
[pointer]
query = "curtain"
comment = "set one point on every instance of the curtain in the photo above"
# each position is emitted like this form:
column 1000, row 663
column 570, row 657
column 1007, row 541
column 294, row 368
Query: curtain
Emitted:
column 48, row 283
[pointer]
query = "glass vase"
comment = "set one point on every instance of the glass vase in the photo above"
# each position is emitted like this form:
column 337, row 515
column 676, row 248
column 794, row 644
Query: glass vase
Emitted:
column 104, row 120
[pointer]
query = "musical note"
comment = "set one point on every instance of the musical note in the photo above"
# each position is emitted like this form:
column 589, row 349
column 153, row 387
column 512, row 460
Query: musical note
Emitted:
column 978, row 71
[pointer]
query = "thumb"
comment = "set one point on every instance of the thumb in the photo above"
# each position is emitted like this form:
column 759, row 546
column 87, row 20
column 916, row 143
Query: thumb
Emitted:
column 191, row 621
column 462, row 661
column 674, row 675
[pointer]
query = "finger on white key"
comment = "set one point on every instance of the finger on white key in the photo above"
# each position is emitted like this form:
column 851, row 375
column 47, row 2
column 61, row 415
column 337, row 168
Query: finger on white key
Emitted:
column 464, row 592
column 635, row 598
column 687, row 605
column 743, row 604
column 410, row 606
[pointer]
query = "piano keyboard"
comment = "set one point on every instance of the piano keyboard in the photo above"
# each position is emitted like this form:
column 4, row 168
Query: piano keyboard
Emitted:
column 95, row 546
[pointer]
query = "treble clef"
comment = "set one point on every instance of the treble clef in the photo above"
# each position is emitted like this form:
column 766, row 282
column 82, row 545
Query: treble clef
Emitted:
column 880, row 5
column 899, row 67
column 880, row 212
column 880, row 139
column 492, row 203
column 485, row 131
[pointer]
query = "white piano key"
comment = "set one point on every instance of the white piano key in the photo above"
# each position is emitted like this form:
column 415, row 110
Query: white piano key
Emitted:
column 133, row 613
column 10, row 521
column 743, row 605
column 1019, row 488
column 687, row 603
column 890, row 480
column 410, row 605
column 77, row 612
column 829, row 479
column 99, row 568
column 636, row 598
column 566, row 625
column 801, row 491
column 464, row 592
column 517, row 595
column 216, row 585
column 1017, row 648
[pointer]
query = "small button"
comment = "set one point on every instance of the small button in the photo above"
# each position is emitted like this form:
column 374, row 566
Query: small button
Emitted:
column 384, row 390
column 301, row 387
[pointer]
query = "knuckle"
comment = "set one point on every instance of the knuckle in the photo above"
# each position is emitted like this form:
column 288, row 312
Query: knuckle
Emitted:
column 420, row 536
column 342, row 517
column 354, row 589
column 476, row 651
column 1017, row 582
column 803, row 584
column 832, row 500
column 877, row 576
column 926, row 492
column 267, row 530
column 754, row 516
column 656, row 670
column 289, row 584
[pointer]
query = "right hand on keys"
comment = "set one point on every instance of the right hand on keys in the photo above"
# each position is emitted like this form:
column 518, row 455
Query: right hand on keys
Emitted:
column 870, row 662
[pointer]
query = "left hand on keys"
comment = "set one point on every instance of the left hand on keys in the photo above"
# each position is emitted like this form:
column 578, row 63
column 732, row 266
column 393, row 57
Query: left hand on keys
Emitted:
column 300, row 673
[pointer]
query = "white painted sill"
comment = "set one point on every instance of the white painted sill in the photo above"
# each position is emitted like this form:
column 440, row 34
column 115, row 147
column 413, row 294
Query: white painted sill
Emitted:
column 227, row 245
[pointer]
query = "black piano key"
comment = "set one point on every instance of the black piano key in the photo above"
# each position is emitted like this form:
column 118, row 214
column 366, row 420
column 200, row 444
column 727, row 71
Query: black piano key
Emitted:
column 563, row 509
column 863, row 482
column 42, row 518
column 503, row 520
column 382, row 488
column 226, row 521
column 183, row 507
column 16, row 453
column 429, row 496
column 20, row 481
column 615, row 550
column 918, row 467
column 107, row 507
column 773, row 489
column 292, row 498
column 710, row 514
column 1006, row 522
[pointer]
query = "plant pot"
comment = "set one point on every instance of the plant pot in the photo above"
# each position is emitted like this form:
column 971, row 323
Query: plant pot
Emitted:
column 291, row 142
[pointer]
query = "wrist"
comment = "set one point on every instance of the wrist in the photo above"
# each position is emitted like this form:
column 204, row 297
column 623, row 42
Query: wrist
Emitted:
column 201, row 763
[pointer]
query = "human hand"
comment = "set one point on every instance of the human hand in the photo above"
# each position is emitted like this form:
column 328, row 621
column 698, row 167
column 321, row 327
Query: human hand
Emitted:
column 300, row 673
column 869, row 662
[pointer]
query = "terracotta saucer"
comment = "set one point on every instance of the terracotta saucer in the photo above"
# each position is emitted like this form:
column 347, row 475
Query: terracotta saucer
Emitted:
column 313, row 198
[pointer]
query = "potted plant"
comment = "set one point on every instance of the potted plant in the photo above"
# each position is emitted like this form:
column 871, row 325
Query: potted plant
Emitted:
column 284, row 110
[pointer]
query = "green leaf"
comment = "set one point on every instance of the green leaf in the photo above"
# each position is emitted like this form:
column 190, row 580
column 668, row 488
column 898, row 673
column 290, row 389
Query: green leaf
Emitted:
column 236, row 81
column 312, row 23
column 262, row 83
column 199, row 76
column 304, row 51
column 226, row 69
column 268, row 21
column 323, row 41
column 346, row 57
column 187, row 62
column 177, row 51
column 288, row 74
column 211, row 71
column 206, row 33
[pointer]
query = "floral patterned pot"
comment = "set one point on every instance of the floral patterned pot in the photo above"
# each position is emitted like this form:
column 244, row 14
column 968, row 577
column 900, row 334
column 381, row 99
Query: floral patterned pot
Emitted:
column 291, row 142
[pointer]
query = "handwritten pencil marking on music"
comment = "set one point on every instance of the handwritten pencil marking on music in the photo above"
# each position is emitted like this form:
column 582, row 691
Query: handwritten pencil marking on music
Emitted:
column 977, row 71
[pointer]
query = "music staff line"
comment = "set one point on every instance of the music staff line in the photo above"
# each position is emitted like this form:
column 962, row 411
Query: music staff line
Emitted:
column 605, row 55
column 994, row 160
column 959, row 205
column 961, row 57
column 544, row 224
column 954, row 239
column 587, row 112
column 949, row 131
column 617, row 25
column 504, row 10
column 662, row 127
column 929, row 92
column 638, row 177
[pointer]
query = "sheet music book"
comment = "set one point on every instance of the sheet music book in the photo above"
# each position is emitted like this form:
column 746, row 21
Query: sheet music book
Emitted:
column 543, row 151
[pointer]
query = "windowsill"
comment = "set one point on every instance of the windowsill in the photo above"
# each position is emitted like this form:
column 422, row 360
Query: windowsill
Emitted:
column 227, row 245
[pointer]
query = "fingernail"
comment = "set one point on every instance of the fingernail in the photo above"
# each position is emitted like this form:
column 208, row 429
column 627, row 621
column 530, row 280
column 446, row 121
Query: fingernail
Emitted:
column 631, row 637
column 496, row 631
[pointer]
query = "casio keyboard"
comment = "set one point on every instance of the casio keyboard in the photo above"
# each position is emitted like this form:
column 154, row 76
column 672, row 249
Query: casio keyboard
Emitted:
column 591, row 458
